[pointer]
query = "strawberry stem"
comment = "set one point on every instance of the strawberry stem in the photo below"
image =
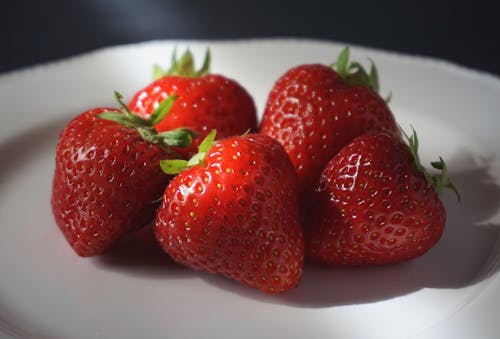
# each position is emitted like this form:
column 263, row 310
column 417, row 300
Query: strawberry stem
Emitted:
column 181, row 137
column 442, row 180
column 438, row 181
column 354, row 74
column 183, row 66
column 175, row 166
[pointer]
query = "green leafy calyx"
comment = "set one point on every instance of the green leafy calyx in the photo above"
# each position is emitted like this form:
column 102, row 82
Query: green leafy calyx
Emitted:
column 183, row 66
column 438, row 181
column 175, row 166
column 180, row 137
column 353, row 73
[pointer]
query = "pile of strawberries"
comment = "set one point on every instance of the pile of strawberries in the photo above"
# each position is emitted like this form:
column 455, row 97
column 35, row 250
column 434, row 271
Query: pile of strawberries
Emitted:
column 328, row 175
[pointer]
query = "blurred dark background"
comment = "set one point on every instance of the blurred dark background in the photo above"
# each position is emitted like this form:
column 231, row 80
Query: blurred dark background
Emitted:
column 466, row 33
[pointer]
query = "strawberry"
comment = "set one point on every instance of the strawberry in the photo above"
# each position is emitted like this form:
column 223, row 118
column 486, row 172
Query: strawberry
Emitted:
column 108, row 176
column 205, row 101
column 235, row 212
column 314, row 110
column 375, row 204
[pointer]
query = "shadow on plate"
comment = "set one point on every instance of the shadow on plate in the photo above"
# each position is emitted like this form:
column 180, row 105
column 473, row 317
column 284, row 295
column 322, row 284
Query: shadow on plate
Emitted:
column 136, row 254
column 461, row 258
column 139, row 254
column 467, row 254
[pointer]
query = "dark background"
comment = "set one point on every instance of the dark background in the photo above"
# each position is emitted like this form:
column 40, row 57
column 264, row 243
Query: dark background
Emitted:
column 466, row 33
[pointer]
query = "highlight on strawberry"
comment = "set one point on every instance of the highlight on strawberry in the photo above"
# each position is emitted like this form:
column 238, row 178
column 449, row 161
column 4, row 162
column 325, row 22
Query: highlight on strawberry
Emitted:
column 376, row 204
column 233, row 210
column 107, row 175
column 205, row 101
column 314, row 110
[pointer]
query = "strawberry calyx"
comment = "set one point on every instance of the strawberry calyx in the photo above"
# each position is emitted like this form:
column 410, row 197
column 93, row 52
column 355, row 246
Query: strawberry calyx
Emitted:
column 176, row 166
column 183, row 66
column 438, row 181
column 180, row 137
column 353, row 73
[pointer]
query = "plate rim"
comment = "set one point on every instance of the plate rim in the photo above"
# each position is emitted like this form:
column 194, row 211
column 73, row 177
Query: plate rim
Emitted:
column 424, row 60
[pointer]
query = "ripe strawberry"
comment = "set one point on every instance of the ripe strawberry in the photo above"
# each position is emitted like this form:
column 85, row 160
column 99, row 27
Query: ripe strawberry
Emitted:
column 205, row 101
column 313, row 111
column 375, row 204
column 235, row 212
column 107, row 176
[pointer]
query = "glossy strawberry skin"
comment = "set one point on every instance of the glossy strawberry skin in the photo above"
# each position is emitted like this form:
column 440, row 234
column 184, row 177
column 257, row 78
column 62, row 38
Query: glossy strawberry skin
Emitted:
column 373, row 207
column 105, row 183
column 313, row 114
column 237, row 216
column 204, row 103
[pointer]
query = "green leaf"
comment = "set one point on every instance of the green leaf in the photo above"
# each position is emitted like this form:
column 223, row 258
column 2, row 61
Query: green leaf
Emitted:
column 148, row 134
column 207, row 142
column 173, row 166
column 442, row 179
column 415, row 139
column 197, row 159
column 119, row 99
column 438, row 164
column 173, row 63
column 115, row 116
column 137, row 121
column 437, row 181
column 373, row 77
column 342, row 62
column 184, row 66
column 162, row 110
column 205, row 68
column 173, row 58
column 158, row 72
column 354, row 74
column 123, row 116
column 181, row 137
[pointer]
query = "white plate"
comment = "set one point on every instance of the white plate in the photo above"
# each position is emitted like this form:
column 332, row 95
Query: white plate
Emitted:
column 137, row 292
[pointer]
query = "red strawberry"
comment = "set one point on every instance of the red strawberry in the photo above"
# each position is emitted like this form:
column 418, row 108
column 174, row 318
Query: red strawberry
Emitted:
column 205, row 101
column 107, row 177
column 236, row 213
column 313, row 111
column 375, row 204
